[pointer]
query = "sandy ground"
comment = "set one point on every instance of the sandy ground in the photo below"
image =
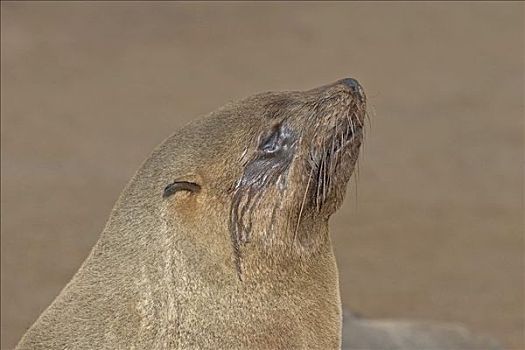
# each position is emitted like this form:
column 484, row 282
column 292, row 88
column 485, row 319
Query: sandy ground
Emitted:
column 436, row 228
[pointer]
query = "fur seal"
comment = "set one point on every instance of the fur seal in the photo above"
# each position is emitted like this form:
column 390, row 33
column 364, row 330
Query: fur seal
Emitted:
column 220, row 241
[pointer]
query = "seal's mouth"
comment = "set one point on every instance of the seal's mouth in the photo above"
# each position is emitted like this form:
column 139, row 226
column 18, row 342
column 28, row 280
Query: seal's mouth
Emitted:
column 347, row 131
column 334, row 149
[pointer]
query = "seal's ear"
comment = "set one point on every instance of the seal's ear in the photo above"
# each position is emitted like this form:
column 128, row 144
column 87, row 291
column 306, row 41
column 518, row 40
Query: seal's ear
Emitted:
column 177, row 186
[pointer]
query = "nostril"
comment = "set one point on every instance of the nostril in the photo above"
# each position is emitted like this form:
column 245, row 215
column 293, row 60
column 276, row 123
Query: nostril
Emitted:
column 352, row 84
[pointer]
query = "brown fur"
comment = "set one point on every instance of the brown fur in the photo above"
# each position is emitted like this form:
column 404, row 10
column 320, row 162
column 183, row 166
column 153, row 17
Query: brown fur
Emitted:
column 245, row 261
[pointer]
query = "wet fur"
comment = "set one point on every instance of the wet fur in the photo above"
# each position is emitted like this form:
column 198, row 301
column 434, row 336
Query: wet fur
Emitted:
column 332, row 127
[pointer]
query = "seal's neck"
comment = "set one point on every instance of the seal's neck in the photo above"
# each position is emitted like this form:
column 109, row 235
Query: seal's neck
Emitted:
column 284, row 253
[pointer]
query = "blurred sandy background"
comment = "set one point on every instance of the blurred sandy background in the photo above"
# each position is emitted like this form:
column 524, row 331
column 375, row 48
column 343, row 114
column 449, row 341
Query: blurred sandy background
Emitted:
column 436, row 231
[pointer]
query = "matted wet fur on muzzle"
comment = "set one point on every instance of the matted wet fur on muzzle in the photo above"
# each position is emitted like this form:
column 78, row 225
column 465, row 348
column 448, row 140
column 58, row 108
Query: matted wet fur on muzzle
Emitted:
column 300, row 162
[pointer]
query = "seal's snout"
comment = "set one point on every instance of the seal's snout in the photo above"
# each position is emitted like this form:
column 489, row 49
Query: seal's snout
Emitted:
column 351, row 83
column 355, row 88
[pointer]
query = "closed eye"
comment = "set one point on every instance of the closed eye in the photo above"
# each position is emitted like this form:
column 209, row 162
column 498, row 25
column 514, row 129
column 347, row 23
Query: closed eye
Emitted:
column 177, row 186
column 271, row 143
column 278, row 139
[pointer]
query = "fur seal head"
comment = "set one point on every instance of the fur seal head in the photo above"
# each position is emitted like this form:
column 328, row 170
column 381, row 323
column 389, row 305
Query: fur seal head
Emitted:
column 221, row 238
column 282, row 165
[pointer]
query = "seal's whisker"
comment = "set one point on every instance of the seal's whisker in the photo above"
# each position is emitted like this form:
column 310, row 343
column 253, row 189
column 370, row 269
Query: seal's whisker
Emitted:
column 318, row 185
column 367, row 115
column 358, row 120
column 357, row 176
column 333, row 161
column 325, row 176
column 302, row 205
column 322, row 183
column 352, row 126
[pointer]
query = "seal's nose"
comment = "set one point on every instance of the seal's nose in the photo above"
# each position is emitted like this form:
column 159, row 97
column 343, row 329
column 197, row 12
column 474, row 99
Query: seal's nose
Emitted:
column 351, row 83
column 354, row 86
